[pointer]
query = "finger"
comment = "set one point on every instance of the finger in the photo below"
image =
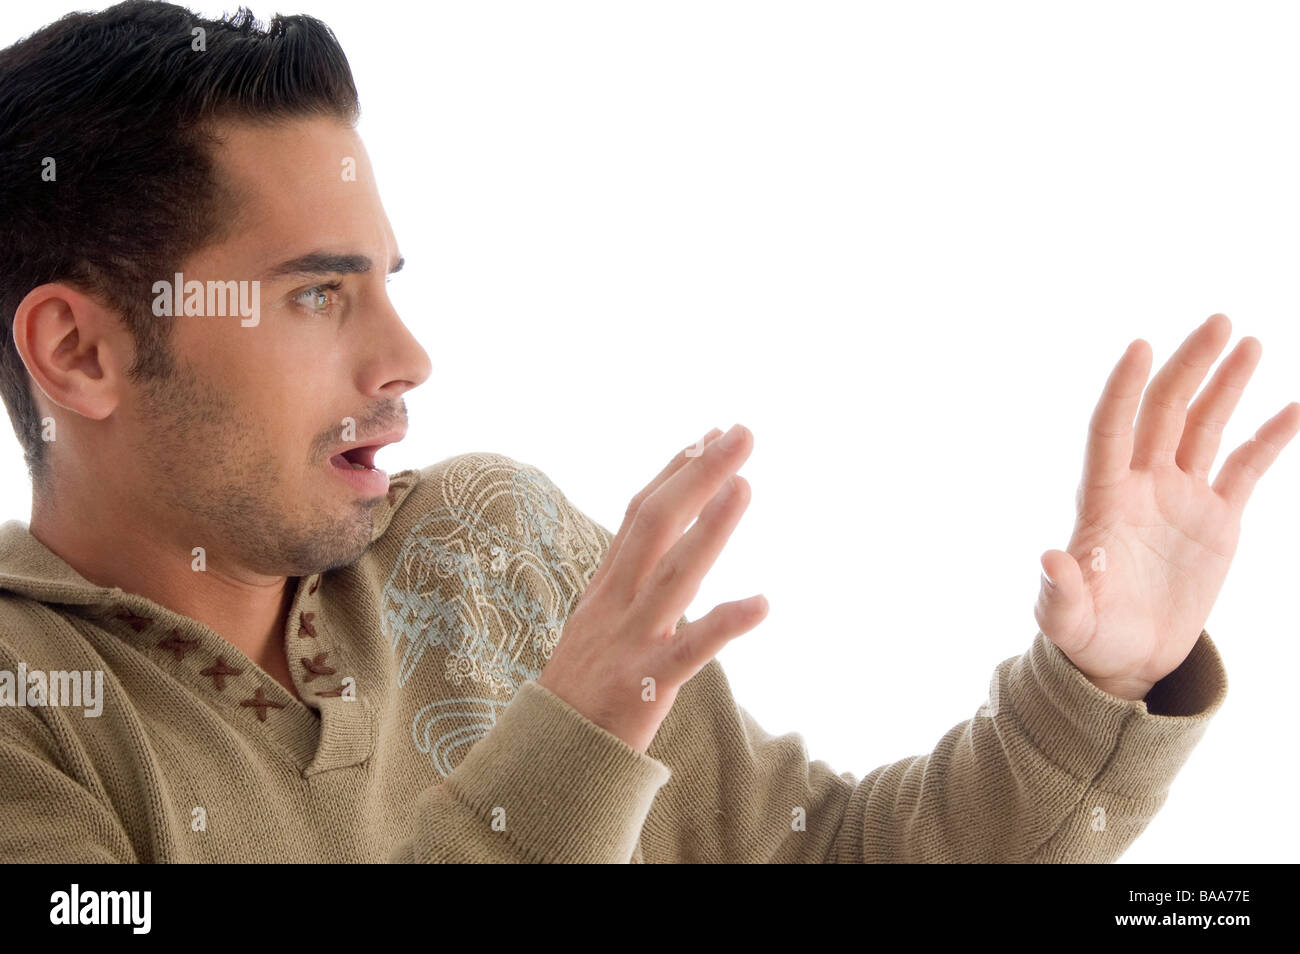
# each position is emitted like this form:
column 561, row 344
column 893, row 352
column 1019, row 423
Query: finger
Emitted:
column 1061, row 607
column 1110, row 432
column 1244, row 466
column 664, row 516
column 1209, row 413
column 689, row 650
column 680, row 460
column 1163, row 411
column 677, row 578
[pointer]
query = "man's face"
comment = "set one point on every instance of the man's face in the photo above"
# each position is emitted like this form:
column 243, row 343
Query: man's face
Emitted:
column 234, row 449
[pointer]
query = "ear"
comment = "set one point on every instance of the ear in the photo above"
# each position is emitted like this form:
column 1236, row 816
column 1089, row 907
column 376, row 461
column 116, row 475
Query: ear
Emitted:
column 76, row 350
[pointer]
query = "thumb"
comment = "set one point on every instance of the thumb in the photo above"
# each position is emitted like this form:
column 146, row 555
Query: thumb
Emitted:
column 1060, row 606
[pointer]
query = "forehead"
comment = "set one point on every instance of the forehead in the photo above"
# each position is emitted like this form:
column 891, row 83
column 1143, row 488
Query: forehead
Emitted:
column 300, row 183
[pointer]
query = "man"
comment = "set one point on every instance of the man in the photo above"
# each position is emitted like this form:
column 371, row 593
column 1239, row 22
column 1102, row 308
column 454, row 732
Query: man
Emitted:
column 291, row 656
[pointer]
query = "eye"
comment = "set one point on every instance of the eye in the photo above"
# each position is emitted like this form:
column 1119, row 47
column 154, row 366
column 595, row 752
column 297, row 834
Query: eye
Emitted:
column 317, row 298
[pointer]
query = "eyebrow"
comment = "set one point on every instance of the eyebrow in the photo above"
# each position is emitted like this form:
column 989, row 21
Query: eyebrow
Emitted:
column 326, row 263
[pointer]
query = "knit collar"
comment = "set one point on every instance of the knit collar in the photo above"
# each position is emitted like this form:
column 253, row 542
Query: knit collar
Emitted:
column 195, row 655
column 29, row 568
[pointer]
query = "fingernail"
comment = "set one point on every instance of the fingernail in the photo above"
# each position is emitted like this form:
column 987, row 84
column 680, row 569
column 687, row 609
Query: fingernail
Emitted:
column 711, row 432
column 1048, row 580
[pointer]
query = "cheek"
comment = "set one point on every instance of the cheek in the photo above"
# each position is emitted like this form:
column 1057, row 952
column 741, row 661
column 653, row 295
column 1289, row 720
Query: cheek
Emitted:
column 281, row 383
column 278, row 404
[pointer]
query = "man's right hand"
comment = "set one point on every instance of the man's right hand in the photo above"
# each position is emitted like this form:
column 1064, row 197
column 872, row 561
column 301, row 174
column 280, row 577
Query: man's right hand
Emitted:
column 622, row 630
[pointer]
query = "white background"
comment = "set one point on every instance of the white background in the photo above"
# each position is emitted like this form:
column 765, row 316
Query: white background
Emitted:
column 904, row 244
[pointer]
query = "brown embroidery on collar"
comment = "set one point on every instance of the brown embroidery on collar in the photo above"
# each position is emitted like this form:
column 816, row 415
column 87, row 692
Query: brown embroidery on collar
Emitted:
column 305, row 627
column 333, row 692
column 316, row 667
column 137, row 623
column 219, row 672
column 261, row 702
column 178, row 644
column 393, row 488
column 314, row 585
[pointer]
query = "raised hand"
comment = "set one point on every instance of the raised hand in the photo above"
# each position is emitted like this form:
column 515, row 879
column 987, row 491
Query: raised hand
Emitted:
column 622, row 631
column 1153, row 539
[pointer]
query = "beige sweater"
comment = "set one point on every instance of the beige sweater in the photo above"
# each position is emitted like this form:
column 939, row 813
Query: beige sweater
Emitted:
column 424, row 737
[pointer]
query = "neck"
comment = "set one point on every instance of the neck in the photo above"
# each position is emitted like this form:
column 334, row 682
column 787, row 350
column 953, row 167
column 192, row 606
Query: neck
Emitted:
column 246, row 608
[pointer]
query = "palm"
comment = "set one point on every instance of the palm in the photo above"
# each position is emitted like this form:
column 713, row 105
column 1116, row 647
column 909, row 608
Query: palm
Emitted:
column 1153, row 539
column 1153, row 553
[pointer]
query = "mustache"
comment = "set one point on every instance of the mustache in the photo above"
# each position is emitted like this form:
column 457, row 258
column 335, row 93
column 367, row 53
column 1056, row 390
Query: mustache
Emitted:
column 383, row 419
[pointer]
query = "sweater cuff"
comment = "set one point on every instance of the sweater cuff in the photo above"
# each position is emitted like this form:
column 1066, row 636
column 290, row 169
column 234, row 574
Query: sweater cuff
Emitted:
column 1129, row 748
column 571, row 791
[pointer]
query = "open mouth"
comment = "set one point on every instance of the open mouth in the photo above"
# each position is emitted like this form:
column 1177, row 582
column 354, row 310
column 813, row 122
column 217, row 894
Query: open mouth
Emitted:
column 357, row 458
column 355, row 466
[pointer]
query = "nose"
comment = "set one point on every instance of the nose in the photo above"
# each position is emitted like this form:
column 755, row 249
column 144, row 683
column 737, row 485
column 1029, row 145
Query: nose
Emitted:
column 398, row 362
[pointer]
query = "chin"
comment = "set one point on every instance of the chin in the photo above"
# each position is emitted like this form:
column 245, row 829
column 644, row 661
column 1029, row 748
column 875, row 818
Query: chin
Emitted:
column 322, row 543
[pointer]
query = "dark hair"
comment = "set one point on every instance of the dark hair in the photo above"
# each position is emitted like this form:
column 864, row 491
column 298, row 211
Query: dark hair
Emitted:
column 123, row 101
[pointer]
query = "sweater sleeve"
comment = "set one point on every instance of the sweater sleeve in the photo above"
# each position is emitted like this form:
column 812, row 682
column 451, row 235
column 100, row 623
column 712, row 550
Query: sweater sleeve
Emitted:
column 1050, row 769
column 544, row 785
column 46, row 816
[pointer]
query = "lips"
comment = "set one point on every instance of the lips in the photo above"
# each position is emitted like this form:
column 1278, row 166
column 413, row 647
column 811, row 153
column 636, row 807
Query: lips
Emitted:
column 354, row 465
